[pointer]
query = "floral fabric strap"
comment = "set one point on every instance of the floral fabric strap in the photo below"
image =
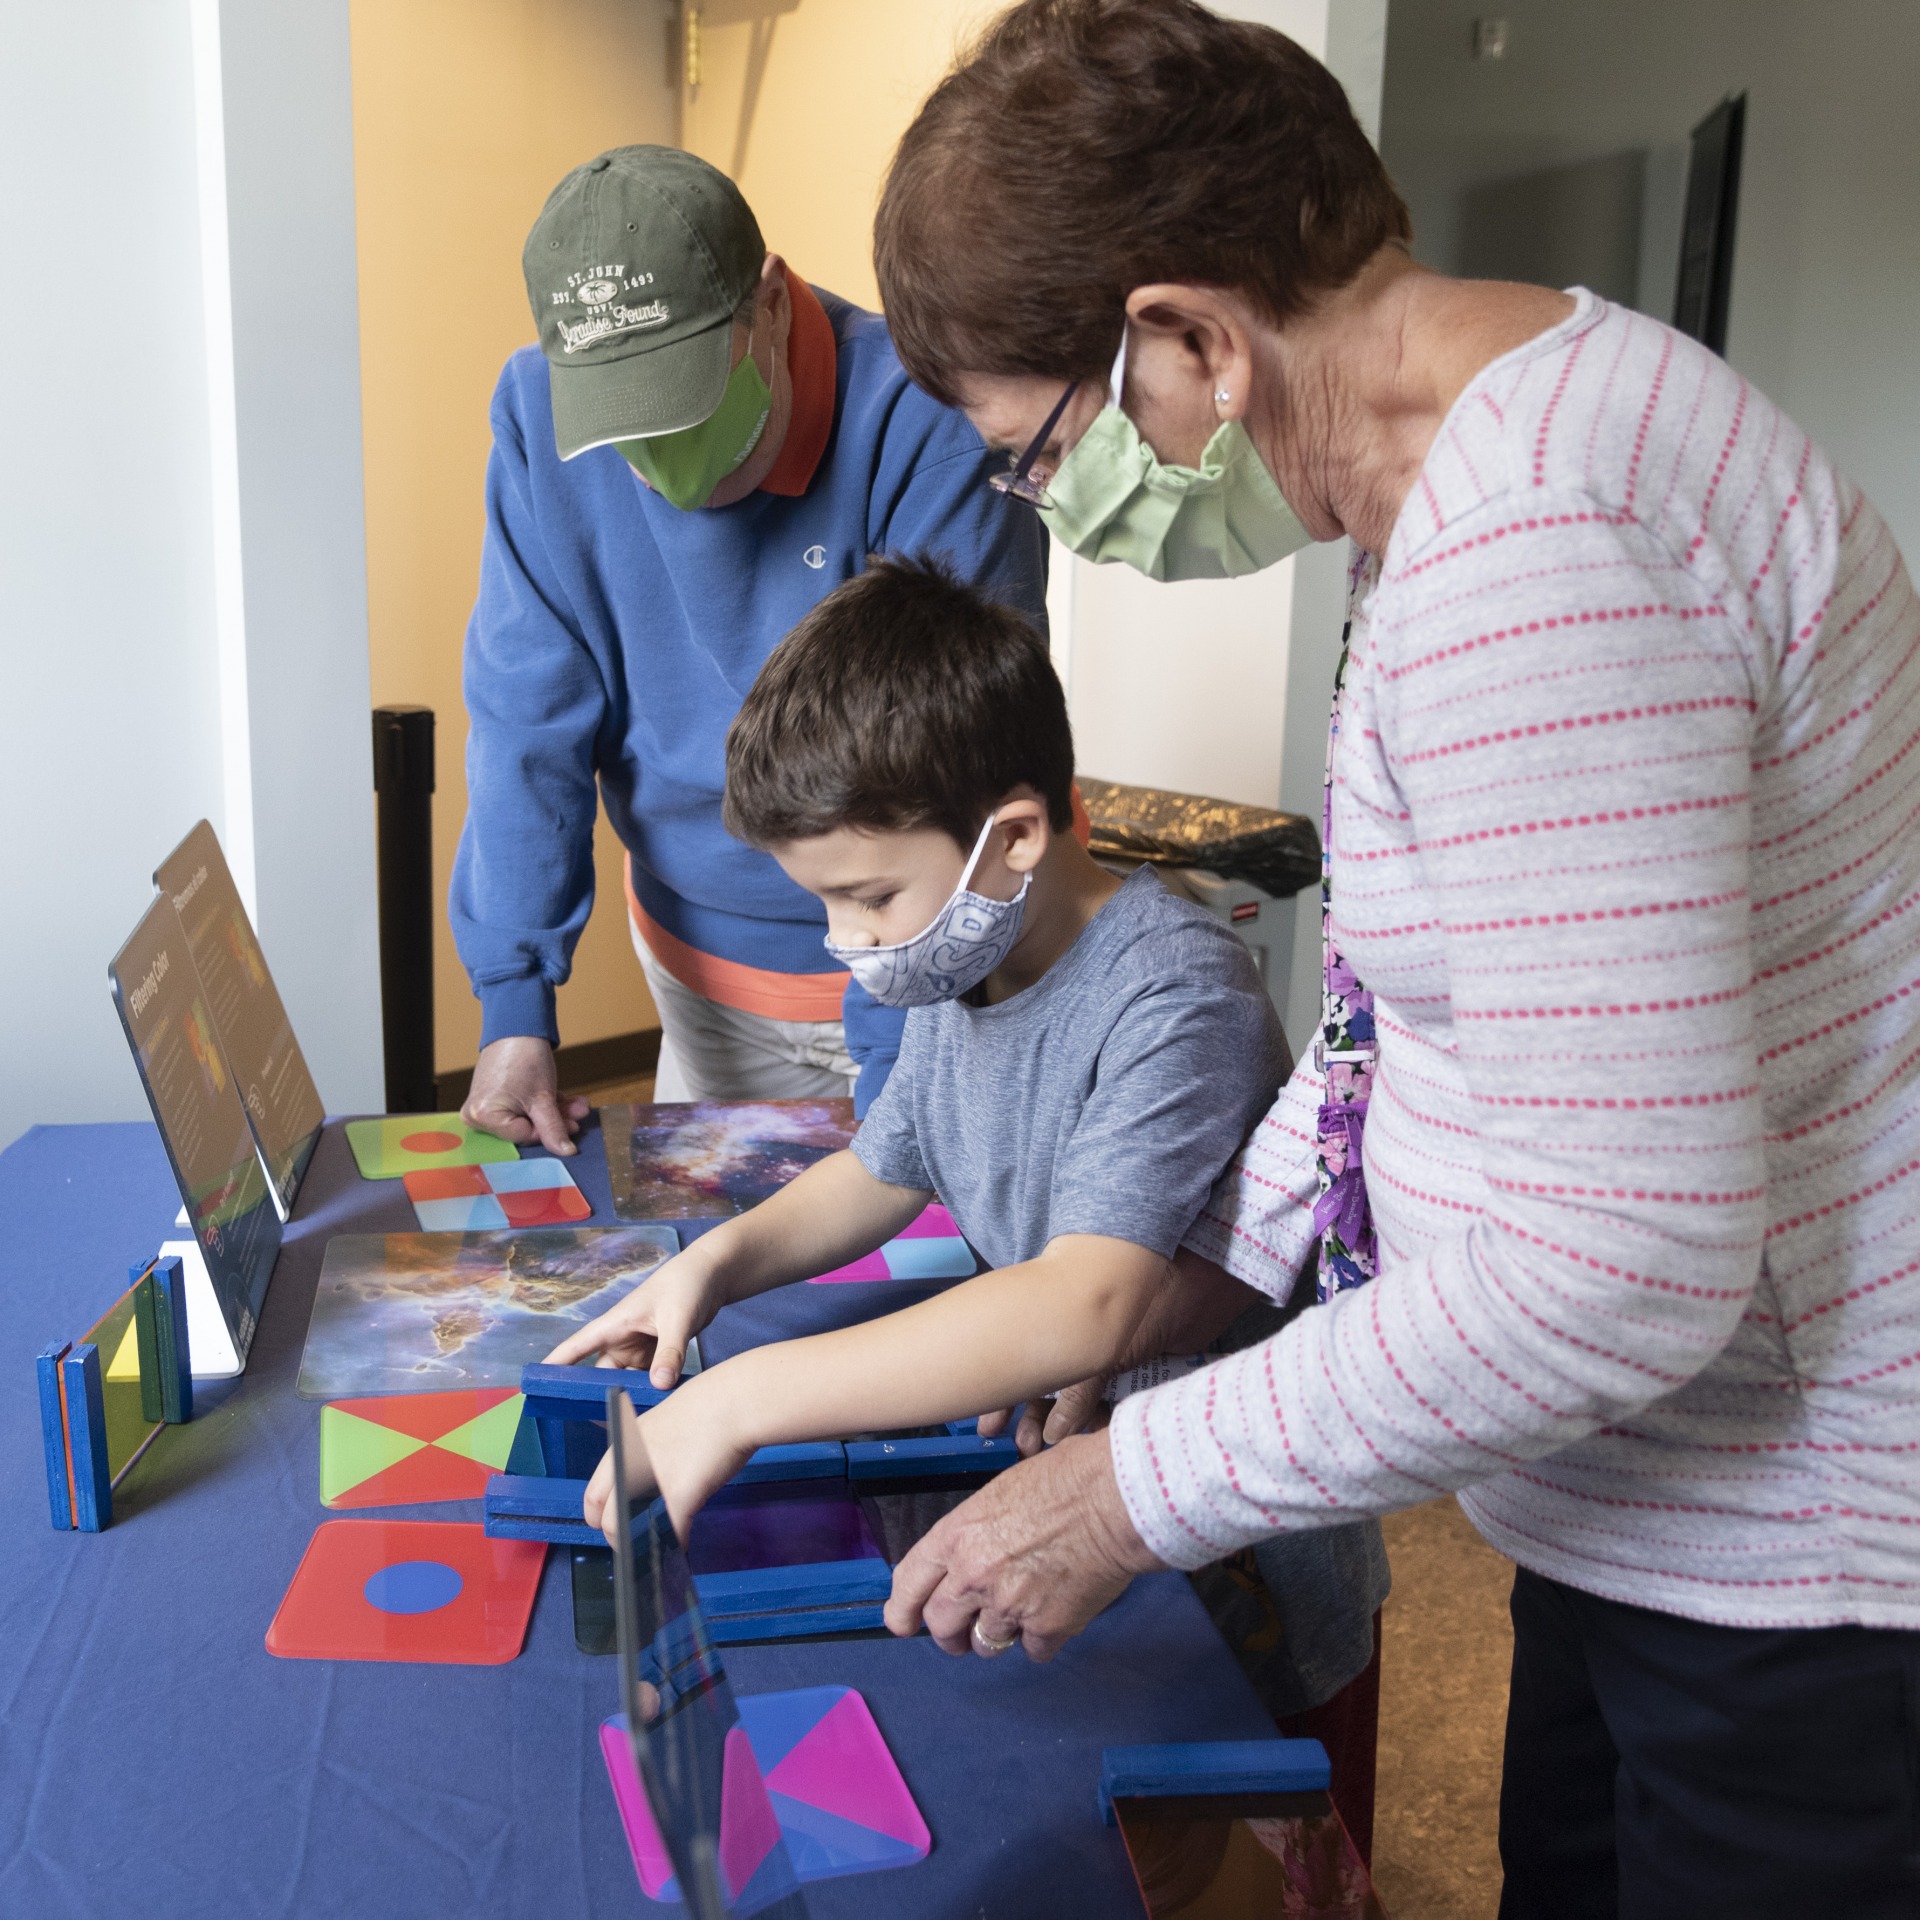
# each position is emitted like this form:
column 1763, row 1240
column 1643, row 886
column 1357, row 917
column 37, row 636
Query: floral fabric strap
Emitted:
column 1349, row 1255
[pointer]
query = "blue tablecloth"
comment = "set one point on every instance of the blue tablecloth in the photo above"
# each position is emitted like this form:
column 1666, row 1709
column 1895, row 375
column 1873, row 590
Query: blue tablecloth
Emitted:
column 156, row 1761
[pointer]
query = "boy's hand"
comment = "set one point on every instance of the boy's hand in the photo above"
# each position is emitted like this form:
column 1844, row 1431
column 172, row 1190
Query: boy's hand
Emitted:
column 685, row 1449
column 650, row 1328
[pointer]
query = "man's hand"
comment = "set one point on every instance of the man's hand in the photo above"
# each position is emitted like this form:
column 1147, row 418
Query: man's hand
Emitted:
column 686, row 1449
column 516, row 1095
column 1033, row 1556
column 651, row 1327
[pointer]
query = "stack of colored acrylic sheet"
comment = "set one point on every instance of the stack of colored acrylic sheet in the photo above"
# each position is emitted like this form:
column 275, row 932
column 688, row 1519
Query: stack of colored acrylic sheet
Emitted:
column 929, row 1249
column 105, row 1397
column 507, row 1193
column 771, row 1562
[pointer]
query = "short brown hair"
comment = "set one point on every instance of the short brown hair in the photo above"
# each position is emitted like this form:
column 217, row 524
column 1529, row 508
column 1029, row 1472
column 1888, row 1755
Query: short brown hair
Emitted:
column 904, row 699
column 1089, row 147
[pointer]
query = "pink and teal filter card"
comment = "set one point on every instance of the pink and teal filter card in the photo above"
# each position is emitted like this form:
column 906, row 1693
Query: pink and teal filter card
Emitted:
column 829, row 1781
column 929, row 1249
column 509, row 1193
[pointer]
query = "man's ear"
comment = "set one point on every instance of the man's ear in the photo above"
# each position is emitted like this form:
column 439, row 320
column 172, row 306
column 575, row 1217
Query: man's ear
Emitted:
column 772, row 295
column 1022, row 833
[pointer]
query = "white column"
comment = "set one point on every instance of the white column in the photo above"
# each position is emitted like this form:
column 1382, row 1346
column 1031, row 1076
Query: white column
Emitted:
column 275, row 135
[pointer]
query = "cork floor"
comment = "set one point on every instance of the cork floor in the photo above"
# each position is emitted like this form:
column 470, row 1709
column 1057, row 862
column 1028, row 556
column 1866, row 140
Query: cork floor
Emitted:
column 1446, row 1647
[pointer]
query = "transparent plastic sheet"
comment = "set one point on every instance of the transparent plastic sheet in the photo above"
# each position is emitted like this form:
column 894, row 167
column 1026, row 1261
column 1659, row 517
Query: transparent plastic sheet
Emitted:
column 1276, row 852
column 129, row 1376
column 689, row 1749
column 1225, row 1856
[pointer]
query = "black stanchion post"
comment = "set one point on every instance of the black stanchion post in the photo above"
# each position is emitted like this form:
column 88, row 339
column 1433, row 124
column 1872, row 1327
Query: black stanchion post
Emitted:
column 403, row 785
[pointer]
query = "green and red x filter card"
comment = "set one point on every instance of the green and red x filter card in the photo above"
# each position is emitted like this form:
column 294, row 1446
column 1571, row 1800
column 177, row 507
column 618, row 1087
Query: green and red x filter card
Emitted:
column 403, row 1449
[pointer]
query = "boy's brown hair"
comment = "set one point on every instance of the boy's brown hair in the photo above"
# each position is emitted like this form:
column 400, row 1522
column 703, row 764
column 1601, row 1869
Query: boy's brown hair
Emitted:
column 904, row 699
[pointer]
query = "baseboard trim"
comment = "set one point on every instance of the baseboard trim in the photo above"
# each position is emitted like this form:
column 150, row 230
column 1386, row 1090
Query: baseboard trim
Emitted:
column 620, row 1056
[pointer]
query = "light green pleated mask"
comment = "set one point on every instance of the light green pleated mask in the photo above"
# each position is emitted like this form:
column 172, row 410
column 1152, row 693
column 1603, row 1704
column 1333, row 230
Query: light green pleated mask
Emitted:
column 1114, row 498
column 685, row 467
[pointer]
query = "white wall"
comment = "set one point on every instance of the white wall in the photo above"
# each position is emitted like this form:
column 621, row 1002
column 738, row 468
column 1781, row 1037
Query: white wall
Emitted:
column 1826, row 273
column 124, row 718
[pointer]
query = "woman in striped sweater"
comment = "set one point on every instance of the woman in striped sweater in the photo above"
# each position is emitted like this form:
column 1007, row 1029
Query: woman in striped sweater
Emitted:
column 1608, row 1156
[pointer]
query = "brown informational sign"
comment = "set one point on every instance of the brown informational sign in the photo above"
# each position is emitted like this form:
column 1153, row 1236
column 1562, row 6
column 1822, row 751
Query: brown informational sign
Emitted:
column 168, row 1015
column 281, row 1101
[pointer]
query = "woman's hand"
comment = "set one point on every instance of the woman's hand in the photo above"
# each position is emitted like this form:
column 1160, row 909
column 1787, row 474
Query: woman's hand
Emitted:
column 1031, row 1557
column 685, row 1449
column 650, row 1328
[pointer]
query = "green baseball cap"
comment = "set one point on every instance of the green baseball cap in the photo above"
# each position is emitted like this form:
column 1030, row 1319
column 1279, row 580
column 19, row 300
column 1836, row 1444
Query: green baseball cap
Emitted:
column 634, row 270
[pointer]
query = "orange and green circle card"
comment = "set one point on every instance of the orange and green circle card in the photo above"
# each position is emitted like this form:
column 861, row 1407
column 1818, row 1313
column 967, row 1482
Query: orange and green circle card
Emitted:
column 426, row 1590
column 400, row 1143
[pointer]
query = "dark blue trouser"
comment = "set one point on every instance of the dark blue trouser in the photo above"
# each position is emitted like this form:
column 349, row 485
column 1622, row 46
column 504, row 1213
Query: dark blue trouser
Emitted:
column 1662, row 1769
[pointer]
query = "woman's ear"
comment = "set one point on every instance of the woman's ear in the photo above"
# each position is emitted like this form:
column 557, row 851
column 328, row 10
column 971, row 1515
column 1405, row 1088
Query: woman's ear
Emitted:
column 1209, row 332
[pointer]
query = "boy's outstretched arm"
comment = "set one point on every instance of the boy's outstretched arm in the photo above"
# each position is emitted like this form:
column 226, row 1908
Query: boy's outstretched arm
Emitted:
column 832, row 1213
column 999, row 1338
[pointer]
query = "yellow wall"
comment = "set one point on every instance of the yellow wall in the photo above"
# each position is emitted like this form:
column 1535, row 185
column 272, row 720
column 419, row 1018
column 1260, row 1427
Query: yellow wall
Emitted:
column 803, row 101
column 466, row 112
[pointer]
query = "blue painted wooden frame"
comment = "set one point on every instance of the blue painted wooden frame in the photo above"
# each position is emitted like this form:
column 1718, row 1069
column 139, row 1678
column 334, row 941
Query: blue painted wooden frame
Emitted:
column 87, row 1438
column 53, row 1436
column 1193, row 1767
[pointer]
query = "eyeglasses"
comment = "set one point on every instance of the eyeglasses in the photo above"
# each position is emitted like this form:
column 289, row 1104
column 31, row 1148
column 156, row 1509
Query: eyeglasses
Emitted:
column 1019, row 482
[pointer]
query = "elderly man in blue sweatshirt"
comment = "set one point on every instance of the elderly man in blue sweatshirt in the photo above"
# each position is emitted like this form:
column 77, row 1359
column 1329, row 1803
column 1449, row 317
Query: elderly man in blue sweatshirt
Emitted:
column 701, row 447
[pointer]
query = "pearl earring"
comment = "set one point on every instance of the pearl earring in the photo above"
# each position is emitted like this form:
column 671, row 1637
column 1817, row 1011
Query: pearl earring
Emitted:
column 1222, row 396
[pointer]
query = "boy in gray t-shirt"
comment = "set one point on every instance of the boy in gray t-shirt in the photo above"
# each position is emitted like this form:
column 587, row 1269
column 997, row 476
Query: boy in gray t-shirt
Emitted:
column 1082, row 1059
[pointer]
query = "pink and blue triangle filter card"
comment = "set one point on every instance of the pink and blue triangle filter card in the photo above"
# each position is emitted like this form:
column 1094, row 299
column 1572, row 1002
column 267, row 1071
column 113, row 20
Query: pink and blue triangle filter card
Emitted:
column 829, row 1780
column 928, row 1248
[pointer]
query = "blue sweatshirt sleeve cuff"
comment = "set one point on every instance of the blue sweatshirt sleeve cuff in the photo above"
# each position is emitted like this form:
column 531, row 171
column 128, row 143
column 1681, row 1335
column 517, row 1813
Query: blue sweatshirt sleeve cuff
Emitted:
column 523, row 1005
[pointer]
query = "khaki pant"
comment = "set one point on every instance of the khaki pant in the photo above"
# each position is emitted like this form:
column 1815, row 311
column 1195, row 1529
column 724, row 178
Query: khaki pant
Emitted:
column 711, row 1052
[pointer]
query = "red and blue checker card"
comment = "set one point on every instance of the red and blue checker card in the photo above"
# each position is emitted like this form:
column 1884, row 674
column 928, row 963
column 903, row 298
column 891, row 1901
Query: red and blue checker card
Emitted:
column 829, row 1778
column 506, row 1193
column 930, row 1248
column 428, row 1590
column 402, row 1449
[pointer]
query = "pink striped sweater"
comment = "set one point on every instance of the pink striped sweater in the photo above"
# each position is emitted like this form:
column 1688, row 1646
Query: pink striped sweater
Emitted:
column 1626, row 829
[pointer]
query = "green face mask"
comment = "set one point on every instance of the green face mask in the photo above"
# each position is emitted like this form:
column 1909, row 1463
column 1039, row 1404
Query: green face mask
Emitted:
column 1115, row 499
column 684, row 468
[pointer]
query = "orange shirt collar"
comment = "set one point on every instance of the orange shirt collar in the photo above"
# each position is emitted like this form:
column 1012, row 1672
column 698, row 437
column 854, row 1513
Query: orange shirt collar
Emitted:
column 813, row 366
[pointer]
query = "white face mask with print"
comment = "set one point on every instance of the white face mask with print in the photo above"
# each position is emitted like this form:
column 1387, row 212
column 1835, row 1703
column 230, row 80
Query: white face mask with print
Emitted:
column 952, row 954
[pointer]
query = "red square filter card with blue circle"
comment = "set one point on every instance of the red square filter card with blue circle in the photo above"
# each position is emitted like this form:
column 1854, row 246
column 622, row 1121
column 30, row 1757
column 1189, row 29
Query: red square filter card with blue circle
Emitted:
column 428, row 1590
column 830, row 1782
